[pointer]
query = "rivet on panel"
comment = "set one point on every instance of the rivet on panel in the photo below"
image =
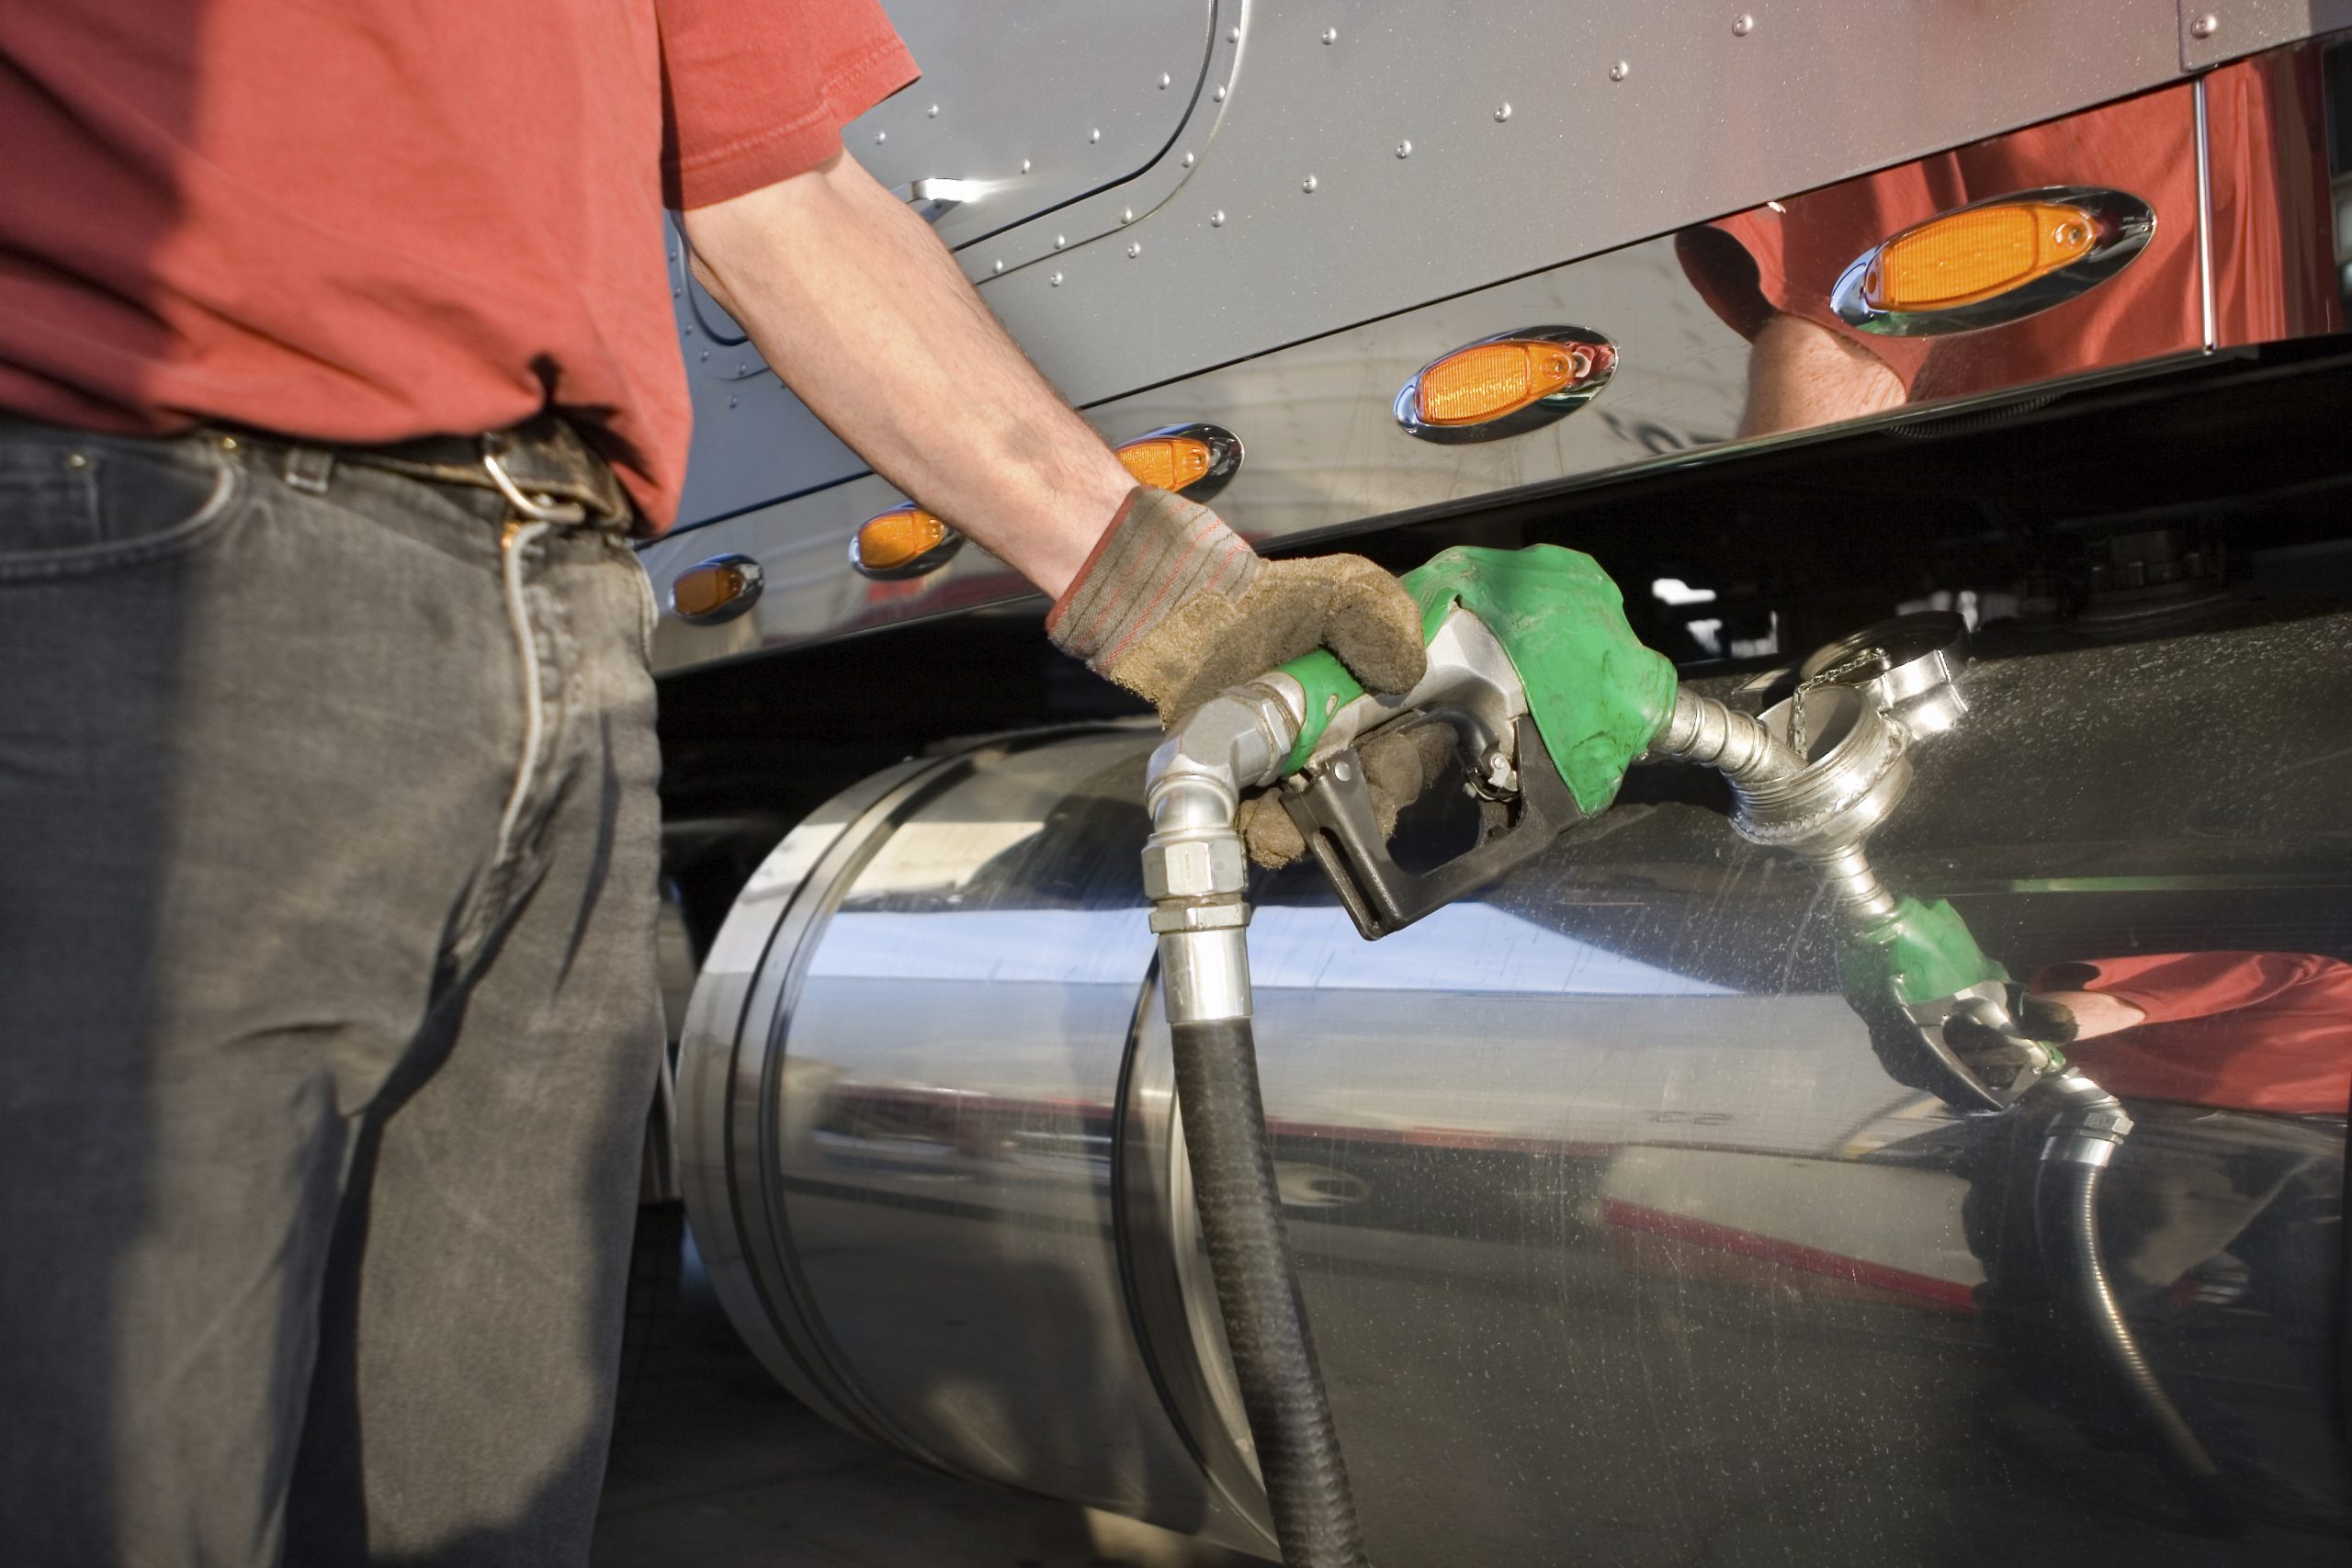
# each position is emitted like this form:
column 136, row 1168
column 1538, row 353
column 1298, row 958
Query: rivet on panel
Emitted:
column 1404, row 149
column 1164, row 79
column 1233, row 34
column 1094, row 135
column 1024, row 165
column 688, row 329
column 934, row 111
column 1188, row 160
column 1330, row 35
column 1620, row 70
column 1060, row 241
column 1502, row 112
column 77, row 459
column 997, row 265
column 880, row 137
column 730, row 400
column 1127, row 215
column 2205, row 26
column 1135, row 250
column 1216, row 219
column 1307, row 184
column 1055, row 280
column 1219, row 93
column 1743, row 25
column 706, row 354
column 228, row 444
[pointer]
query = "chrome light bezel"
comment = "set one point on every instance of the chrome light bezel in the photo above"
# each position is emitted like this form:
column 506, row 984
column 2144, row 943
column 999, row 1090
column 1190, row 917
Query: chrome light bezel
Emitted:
column 2125, row 223
column 1519, row 422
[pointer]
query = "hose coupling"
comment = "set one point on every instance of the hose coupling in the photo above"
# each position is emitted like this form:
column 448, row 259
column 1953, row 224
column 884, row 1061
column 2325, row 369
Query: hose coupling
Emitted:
column 2090, row 1124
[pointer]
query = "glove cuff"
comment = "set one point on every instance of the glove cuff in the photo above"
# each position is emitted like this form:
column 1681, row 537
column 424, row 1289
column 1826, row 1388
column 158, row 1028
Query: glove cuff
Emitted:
column 1158, row 552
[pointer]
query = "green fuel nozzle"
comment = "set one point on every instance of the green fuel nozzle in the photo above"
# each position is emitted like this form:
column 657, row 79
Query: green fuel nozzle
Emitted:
column 1548, row 691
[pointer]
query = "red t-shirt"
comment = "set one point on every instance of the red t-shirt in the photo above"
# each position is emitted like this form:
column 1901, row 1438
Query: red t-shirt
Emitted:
column 2247, row 1031
column 362, row 223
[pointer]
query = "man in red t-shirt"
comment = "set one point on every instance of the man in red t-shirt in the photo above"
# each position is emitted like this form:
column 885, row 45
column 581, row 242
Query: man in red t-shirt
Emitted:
column 335, row 368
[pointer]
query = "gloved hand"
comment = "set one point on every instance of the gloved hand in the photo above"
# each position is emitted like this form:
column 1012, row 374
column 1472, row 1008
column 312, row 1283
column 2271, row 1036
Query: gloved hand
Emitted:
column 1175, row 606
column 1400, row 765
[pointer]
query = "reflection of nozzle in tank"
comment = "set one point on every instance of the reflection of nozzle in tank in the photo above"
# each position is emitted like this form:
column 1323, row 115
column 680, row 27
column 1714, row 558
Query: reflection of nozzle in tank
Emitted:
column 1815, row 775
column 2085, row 1134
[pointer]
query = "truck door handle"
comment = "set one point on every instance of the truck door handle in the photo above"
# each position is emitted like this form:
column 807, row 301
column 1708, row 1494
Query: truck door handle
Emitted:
column 933, row 198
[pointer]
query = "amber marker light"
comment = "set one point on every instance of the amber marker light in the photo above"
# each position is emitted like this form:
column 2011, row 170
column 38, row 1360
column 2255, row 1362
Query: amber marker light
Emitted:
column 1976, row 254
column 1992, row 262
column 1491, row 379
column 902, row 542
column 1167, row 462
column 1505, row 383
column 1195, row 460
column 717, row 590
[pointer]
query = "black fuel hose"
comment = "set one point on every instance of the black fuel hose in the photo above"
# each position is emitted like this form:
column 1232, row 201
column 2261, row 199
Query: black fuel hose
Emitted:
column 1257, row 1291
column 2067, row 1218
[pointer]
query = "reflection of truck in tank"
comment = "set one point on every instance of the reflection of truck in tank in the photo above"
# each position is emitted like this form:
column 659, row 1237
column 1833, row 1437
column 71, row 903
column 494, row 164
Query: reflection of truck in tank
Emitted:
column 1623, row 1237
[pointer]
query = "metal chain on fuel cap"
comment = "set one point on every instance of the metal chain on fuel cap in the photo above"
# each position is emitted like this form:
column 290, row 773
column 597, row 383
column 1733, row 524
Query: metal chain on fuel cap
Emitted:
column 1842, row 673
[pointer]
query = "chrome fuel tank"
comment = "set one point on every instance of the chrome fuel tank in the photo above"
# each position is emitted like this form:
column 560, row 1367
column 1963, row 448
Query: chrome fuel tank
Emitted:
column 1622, row 1238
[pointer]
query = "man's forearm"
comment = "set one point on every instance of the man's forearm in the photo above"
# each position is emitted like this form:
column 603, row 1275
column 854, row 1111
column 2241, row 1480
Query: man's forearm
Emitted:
column 864, row 313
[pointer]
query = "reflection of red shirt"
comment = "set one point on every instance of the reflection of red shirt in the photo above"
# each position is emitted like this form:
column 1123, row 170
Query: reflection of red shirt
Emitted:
column 2274, row 279
column 2245, row 1031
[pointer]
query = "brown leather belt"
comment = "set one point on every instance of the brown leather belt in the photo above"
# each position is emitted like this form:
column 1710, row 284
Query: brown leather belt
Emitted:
column 546, row 471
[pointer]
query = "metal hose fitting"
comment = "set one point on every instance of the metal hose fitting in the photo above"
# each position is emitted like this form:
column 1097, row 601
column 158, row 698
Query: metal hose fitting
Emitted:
column 1197, row 879
column 1703, row 730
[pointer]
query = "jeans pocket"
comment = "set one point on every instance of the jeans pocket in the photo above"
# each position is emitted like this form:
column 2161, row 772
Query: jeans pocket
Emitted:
column 105, row 502
column 649, row 612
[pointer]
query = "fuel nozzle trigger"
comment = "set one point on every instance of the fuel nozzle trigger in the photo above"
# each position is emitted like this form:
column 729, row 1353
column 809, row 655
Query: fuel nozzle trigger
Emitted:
column 1472, row 688
column 1549, row 697
column 1331, row 801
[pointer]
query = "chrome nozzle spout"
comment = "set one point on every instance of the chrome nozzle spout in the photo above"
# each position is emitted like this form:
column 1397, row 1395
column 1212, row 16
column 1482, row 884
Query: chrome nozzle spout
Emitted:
column 1703, row 730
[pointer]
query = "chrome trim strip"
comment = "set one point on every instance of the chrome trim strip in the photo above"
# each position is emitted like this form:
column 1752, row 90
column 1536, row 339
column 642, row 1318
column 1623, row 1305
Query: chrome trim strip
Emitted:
column 2205, row 220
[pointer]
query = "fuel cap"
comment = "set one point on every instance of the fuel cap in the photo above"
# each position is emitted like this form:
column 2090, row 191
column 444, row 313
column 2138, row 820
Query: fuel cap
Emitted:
column 1912, row 663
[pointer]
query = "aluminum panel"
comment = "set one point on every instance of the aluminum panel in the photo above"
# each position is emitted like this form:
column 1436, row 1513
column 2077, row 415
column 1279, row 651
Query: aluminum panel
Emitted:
column 2214, row 31
column 1702, row 121
column 1233, row 255
column 1036, row 105
column 1325, row 450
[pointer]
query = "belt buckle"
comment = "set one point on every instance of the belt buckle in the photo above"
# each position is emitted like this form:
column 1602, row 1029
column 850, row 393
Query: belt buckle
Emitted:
column 539, row 508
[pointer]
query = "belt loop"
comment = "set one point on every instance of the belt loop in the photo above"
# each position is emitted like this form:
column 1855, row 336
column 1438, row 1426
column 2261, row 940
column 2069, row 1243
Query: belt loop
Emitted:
column 308, row 470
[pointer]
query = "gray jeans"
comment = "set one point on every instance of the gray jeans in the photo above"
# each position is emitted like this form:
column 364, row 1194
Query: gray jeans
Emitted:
column 328, row 1020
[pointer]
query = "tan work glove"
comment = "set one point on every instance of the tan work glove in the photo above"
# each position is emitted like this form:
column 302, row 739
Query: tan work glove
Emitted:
column 1175, row 606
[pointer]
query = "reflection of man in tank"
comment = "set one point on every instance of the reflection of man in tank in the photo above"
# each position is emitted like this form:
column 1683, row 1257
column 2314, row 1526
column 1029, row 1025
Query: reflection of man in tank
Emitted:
column 1767, row 272
column 2237, row 1071
column 2198, row 1032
